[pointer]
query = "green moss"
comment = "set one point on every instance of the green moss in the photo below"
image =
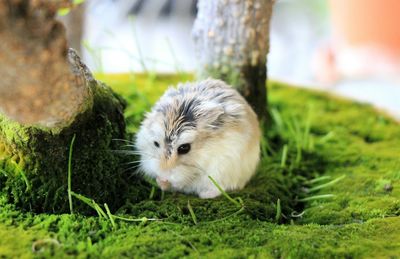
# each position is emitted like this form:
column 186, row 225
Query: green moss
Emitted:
column 19, row 243
column 327, row 138
column 34, row 158
column 364, row 147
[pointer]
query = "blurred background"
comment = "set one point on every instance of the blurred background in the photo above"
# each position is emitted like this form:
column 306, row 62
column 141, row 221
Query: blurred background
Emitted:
column 348, row 47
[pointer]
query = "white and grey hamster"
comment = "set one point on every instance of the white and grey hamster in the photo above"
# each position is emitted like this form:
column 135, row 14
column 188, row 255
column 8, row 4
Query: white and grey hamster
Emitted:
column 198, row 130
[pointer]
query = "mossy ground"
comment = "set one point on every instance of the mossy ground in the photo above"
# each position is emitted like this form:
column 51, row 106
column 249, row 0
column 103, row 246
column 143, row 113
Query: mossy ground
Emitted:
column 338, row 187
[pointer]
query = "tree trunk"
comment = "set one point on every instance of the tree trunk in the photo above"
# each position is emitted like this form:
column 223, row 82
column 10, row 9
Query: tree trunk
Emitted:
column 47, row 95
column 232, row 41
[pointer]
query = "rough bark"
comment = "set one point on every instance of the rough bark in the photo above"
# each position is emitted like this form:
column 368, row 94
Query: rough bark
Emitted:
column 47, row 95
column 232, row 41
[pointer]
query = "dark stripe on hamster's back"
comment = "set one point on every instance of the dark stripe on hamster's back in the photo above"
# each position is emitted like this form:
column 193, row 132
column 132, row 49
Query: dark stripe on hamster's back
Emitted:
column 186, row 110
column 180, row 118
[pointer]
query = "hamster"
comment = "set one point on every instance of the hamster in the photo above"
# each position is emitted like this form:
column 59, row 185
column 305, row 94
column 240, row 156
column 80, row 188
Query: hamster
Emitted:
column 198, row 130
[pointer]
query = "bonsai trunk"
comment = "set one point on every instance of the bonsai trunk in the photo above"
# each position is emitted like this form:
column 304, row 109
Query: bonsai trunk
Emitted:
column 232, row 41
column 47, row 95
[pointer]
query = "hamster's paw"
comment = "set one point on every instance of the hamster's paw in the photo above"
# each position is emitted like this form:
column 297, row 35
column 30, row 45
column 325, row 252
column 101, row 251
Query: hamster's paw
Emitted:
column 209, row 194
column 163, row 184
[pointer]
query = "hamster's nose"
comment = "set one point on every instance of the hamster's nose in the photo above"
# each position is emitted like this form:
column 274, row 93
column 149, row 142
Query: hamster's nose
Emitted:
column 168, row 162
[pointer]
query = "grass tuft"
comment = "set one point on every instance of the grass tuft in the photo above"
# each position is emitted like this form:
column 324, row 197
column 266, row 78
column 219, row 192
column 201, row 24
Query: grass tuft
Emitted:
column 108, row 215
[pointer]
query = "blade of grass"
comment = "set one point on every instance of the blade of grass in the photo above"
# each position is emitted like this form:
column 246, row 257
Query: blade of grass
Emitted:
column 317, row 197
column 144, row 219
column 307, row 129
column 330, row 135
column 298, row 153
column 110, row 216
column 295, row 134
column 82, row 198
column 28, row 186
column 291, row 128
column 319, row 187
column 99, row 210
column 21, row 172
column 265, row 146
column 284, row 155
column 276, row 116
column 294, row 214
column 192, row 213
column 318, row 179
column 152, row 191
column 299, row 140
column 162, row 195
column 224, row 193
column 91, row 203
column 71, row 146
column 227, row 217
column 278, row 210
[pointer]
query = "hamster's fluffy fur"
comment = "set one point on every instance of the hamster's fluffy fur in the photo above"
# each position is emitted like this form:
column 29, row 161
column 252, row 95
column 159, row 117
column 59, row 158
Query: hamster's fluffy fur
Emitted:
column 220, row 129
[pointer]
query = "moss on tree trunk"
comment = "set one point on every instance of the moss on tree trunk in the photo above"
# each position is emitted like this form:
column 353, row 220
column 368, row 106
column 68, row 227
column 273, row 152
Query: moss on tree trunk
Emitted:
column 44, row 102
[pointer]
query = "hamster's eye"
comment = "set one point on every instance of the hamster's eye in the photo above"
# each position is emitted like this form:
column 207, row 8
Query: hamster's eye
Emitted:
column 184, row 149
column 156, row 144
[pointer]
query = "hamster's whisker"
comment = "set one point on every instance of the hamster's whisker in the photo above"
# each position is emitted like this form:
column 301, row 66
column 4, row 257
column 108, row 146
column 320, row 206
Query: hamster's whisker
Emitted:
column 137, row 161
column 137, row 172
column 129, row 145
column 124, row 151
column 147, row 154
column 127, row 150
column 136, row 167
column 132, row 152
column 124, row 140
column 129, row 169
column 133, row 162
